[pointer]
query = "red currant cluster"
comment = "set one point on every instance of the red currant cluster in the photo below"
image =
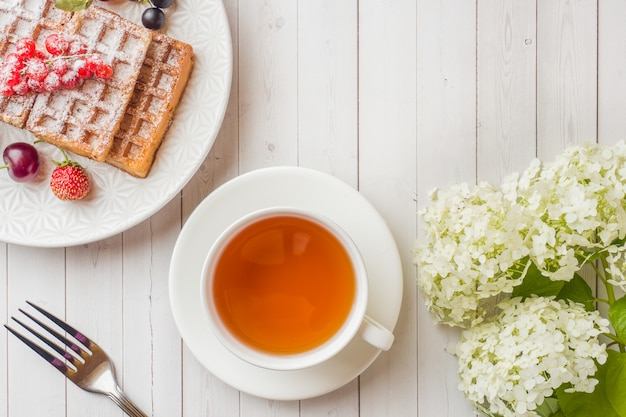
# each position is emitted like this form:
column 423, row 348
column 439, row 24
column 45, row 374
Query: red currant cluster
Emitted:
column 65, row 64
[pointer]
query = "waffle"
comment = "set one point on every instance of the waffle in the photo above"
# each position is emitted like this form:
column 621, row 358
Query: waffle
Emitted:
column 84, row 120
column 33, row 19
column 161, row 82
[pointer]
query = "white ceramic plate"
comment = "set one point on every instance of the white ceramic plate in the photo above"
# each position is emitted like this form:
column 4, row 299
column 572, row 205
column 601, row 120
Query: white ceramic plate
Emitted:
column 296, row 187
column 31, row 215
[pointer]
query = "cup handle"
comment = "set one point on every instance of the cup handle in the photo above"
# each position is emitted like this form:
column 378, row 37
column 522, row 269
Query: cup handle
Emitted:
column 375, row 334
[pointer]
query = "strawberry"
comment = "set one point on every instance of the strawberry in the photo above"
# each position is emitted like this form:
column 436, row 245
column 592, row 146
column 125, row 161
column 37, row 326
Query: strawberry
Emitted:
column 69, row 180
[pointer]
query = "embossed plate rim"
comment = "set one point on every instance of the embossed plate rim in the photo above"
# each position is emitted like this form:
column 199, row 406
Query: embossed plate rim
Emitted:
column 30, row 215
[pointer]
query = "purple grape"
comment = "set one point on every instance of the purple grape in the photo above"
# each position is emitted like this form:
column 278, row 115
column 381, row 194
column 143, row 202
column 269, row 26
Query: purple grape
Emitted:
column 153, row 18
column 22, row 160
column 162, row 4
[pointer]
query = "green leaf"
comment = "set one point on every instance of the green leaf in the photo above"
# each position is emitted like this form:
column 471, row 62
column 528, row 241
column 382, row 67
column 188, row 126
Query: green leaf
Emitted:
column 617, row 315
column 579, row 291
column 616, row 381
column 72, row 5
column 535, row 283
column 607, row 399
column 549, row 408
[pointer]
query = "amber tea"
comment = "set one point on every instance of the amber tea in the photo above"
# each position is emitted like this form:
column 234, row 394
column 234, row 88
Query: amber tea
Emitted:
column 283, row 285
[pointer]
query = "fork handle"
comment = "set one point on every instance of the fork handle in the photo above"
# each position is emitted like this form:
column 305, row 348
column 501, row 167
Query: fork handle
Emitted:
column 125, row 403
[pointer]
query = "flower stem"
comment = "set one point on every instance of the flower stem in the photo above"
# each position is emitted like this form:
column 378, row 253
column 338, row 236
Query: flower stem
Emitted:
column 601, row 300
column 605, row 279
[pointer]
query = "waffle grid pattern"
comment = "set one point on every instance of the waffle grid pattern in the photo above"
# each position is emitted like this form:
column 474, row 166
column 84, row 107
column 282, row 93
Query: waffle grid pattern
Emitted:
column 25, row 19
column 84, row 120
column 147, row 115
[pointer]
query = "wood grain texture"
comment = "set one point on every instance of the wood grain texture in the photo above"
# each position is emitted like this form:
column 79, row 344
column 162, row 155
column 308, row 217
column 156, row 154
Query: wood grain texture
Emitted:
column 387, row 131
column 507, row 82
column 446, row 153
column 611, row 71
column 566, row 75
column 395, row 98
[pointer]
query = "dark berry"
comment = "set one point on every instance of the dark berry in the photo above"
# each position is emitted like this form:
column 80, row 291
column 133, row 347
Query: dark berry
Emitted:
column 163, row 4
column 22, row 160
column 153, row 18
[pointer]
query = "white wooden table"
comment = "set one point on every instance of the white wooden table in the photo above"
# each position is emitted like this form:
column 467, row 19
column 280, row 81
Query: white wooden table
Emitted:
column 394, row 97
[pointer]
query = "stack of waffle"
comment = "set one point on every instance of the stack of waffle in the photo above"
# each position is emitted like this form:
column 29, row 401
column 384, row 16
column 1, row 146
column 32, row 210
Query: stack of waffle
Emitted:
column 120, row 120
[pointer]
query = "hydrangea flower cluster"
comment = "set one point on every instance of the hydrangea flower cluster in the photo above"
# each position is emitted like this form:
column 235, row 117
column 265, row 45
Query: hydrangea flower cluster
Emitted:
column 576, row 207
column 512, row 362
column 503, row 263
column 475, row 250
column 480, row 240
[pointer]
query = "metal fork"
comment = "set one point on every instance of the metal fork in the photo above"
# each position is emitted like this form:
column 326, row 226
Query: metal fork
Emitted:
column 88, row 366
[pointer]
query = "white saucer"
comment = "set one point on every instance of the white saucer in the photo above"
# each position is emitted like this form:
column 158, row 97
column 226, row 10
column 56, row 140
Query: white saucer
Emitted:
column 283, row 186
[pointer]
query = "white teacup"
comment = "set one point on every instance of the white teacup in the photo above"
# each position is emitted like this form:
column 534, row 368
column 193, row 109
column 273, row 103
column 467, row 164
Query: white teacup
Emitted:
column 286, row 288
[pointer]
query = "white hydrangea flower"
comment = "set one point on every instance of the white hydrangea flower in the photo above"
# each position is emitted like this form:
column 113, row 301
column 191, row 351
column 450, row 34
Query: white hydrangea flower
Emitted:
column 479, row 240
column 511, row 363
column 616, row 265
column 579, row 206
column 474, row 251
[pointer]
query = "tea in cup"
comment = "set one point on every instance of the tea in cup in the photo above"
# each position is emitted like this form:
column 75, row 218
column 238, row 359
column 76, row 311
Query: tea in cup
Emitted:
column 285, row 288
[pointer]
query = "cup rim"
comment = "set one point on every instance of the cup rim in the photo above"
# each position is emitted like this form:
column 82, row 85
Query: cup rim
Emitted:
column 320, row 353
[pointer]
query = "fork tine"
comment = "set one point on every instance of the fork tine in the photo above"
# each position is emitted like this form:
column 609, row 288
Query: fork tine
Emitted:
column 85, row 364
column 73, row 346
column 72, row 331
column 41, row 352
column 65, row 354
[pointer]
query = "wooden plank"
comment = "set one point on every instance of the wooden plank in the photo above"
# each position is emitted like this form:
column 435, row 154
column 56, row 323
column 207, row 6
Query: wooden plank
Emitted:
column 506, row 87
column 446, row 154
column 327, row 125
column 327, row 87
column 153, row 381
column 259, row 407
column 341, row 402
column 268, row 95
column 387, row 166
column 611, row 71
column 268, row 115
column 4, row 316
column 611, row 86
column 94, row 305
column 202, row 393
column 566, row 74
column 37, row 275
column 567, row 35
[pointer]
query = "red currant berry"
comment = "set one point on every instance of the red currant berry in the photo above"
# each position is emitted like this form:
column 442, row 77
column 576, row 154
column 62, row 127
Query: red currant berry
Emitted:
column 40, row 55
column 56, row 44
column 22, row 88
column 14, row 78
column 81, row 69
column 36, row 69
column 14, row 60
column 9, row 75
column 52, row 82
column 35, row 85
column 59, row 66
column 92, row 62
column 26, row 47
column 70, row 79
column 84, row 72
column 6, row 90
column 104, row 71
column 76, row 47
